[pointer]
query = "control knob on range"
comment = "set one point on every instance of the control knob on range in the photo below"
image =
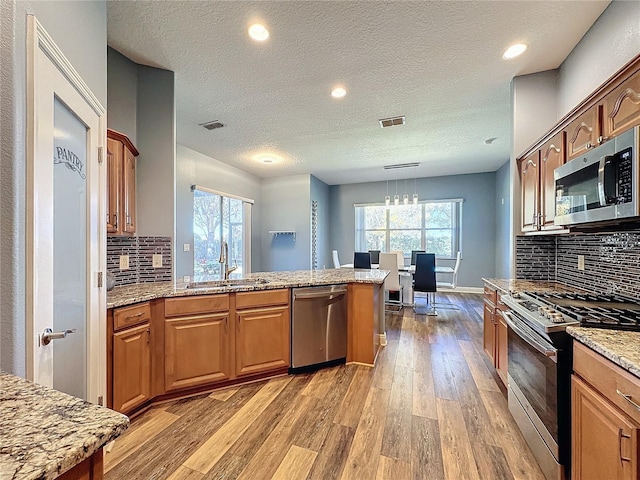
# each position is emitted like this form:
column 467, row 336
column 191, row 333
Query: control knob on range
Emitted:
column 556, row 317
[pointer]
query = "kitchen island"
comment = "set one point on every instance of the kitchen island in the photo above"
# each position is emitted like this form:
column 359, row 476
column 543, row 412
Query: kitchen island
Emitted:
column 48, row 434
column 175, row 339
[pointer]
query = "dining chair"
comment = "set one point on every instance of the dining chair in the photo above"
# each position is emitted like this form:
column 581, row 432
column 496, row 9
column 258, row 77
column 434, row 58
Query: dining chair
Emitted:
column 336, row 261
column 362, row 260
column 452, row 284
column 389, row 261
column 424, row 280
column 375, row 256
column 400, row 255
column 413, row 255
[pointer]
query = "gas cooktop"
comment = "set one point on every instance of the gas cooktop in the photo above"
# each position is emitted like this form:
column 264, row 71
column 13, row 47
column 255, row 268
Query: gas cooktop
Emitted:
column 555, row 311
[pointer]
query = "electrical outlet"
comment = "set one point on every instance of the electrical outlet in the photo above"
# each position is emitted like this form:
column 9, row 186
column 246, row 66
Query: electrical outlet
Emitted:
column 124, row 262
column 580, row 262
column 186, row 279
column 157, row 260
column 186, row 247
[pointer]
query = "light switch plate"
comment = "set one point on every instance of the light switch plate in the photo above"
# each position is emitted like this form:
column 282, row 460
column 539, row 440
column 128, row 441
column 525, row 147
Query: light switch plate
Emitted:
column 157, row 260
column 186, row 247
column 580, row 262
column 124, row 262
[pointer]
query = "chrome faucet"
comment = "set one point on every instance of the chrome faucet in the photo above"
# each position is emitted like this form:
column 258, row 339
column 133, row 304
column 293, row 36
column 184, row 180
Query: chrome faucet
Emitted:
column 224, row 261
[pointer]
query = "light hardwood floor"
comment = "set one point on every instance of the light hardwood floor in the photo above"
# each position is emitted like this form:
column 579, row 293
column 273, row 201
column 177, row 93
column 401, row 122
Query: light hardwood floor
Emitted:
column 431, row 409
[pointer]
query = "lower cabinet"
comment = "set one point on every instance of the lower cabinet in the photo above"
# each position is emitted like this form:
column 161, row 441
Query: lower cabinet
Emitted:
column 131, row 367
column 494, row 332
column 605, row 423
column 262, row 340
column 197, row 350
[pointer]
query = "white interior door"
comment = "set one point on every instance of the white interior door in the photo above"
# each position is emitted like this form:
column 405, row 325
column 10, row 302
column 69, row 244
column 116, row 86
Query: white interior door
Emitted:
column 66, row 242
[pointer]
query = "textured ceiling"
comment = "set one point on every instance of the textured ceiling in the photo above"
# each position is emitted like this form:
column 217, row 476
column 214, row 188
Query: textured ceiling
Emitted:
column 439, row 63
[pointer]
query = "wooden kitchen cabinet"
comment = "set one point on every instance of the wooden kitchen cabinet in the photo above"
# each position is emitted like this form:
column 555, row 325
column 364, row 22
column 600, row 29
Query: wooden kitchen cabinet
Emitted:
column 583, row 133
column 621, row 107
column 530, row 185
column 121, row 184
column 552, row 156
column 605, row 422
column 262, row 332
column 131, row 367
column 494, row 332
column 197, row 346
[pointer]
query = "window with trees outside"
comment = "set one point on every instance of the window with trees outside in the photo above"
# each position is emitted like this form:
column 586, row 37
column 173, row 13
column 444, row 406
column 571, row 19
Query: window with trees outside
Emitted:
column 218, row 217
column 432, row 226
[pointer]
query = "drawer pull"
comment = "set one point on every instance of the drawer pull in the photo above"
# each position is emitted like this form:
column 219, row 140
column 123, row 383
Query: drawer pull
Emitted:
column 628, row 399
column 620, row 436
column 135, row 316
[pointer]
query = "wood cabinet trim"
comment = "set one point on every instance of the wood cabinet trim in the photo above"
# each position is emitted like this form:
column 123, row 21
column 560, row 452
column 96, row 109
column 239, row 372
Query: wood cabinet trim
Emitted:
column 262, row 298
column 124, row 139
column 195, row 305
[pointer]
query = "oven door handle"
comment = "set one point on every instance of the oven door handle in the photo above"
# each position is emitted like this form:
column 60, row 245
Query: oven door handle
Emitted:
column 513, row 323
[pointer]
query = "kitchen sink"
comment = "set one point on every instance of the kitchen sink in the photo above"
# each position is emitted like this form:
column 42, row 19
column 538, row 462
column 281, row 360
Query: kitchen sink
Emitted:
column 240, row 282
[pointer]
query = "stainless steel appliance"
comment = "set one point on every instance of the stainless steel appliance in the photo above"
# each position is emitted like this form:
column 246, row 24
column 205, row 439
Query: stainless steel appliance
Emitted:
column 540, row 364
column 318, row 326
column 601, row 185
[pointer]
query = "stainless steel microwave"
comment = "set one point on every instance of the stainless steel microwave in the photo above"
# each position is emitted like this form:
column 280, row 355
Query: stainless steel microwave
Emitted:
column 601, row 185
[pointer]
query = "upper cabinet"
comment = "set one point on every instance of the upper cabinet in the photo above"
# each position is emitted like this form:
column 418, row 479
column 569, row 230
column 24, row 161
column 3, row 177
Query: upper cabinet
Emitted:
column 606, row 113
column 121, row 184
column 583, row 133
column 621, row 107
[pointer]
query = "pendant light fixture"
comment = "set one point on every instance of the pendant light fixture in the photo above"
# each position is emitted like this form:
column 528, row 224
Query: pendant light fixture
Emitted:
column 405, row 197
column 415, row 193
column 396, row 198
column 387, row 199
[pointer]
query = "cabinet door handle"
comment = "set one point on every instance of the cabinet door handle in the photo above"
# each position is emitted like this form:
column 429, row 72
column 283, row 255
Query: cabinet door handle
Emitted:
column 238, row 322
column 115, row 220
column 139, row 314
column 620, row 436
column 148, row 335
column 628, row 399
column 226, row 324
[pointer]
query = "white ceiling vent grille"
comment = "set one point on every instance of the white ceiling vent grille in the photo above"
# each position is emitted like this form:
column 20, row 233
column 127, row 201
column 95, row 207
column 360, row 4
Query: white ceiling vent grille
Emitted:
column 390, row 122
column 212, row 125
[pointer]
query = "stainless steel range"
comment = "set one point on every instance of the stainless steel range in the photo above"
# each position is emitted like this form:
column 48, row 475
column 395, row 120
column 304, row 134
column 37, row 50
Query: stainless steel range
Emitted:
column 540, row 364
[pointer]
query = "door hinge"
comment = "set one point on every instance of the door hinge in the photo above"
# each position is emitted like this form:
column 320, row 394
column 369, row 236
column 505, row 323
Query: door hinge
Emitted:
column 100, row 400
column 100, row 155
column 100, row 279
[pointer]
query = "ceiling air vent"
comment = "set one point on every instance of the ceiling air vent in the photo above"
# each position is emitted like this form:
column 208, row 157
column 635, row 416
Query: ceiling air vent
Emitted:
column 401, row 165
column 212, row 125
column 390, row 122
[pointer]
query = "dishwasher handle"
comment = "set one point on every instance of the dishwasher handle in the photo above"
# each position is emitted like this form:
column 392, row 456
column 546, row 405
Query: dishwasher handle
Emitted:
column 330, row 294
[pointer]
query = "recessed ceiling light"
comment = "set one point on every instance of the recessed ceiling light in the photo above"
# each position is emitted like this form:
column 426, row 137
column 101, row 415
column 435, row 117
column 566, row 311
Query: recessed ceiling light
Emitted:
column 514, row 51
column 267, row 158
column 258, row 32
column 338, row 92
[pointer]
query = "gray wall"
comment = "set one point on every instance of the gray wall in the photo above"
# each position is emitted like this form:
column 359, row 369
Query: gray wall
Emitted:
column 286, row 205
column 156, row 133
column 142, row 106
column 193, row 168
column 320, row 194
column 612, row 41
column 503, row 223
column 80, row 30
column 478, row 218
column 122, row 94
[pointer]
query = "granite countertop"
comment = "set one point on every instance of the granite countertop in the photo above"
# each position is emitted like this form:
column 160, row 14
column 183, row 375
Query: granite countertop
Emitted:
column 141, row 292
column 621, row 347
column 44, row 433
column 514, row 285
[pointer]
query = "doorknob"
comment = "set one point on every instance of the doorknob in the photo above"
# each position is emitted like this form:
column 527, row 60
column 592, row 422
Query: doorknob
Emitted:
column 49, row 335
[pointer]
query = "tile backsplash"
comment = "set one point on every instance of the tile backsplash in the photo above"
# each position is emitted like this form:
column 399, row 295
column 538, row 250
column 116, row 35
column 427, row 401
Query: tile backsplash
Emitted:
column 611, row 260
column 140, row 251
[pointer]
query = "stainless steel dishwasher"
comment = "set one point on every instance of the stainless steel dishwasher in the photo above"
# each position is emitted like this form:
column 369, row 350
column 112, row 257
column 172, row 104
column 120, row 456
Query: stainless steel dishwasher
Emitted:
column 318, row 326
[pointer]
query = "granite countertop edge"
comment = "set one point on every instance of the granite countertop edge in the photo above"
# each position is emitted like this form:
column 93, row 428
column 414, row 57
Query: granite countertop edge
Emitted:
column 619, row 346
column 46, row 432
column 141, row 292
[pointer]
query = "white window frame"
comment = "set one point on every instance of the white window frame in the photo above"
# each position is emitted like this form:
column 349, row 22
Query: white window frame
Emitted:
column 360, row 231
